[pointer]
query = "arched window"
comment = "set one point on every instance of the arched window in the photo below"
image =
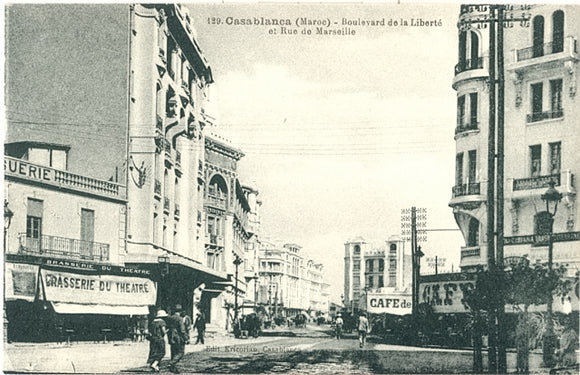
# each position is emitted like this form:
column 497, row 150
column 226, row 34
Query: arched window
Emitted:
column 542, row 223
column 393, row 248
column 462, row 47
column 558, row 31
column 538, row 36
column 473, row 233
column 356, row 249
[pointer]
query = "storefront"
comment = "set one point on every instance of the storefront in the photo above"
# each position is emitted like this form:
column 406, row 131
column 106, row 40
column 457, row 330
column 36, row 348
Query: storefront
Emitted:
column 50, row 299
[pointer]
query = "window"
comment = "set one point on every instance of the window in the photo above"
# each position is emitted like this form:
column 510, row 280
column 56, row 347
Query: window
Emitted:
column 473, row 233
column 472, row 171
column 370, row 284
column 538, row 36
column 558, row 31
column 555, row 157
column 357, row 249
column 473, row 110
column 370, row 265
column 535, row 160
column 461, row 111
column 171, row 55
column 381, row 283
column 34, row 223
column 459, row 169
column 381, row 265
column 462, row 47
column 542, row 223
column 537, row 101
column 556, row 98
column 393, row 248
column 155, row 228
column 474, row 55
column 87, row 231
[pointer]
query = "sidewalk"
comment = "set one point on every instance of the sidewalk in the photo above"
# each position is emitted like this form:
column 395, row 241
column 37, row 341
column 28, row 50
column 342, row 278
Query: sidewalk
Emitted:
column 89, row 357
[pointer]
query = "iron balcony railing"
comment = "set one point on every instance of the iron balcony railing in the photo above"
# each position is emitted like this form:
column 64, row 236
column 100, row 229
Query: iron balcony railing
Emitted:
column 217, row 201
column 473, row 125
column 537, row 182
column 469, row 64
column 62, row 246
column 540, row 116
column 540, row 50
column 466, row 189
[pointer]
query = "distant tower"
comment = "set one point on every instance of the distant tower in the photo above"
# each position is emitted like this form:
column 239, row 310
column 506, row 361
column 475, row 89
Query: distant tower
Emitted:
column 354, row 251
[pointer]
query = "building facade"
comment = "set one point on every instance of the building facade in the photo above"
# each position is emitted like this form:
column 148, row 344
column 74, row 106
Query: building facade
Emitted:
column 541, row 135
column 133, row 105
column 64, row 248
column 386, row 270
column 289, row 283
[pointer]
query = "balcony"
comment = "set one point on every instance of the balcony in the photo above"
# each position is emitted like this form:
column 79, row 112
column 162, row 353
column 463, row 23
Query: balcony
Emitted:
column 537, row 185
column 541, row 116
column 556, row 51
column 471, row 251
column 468, row 196
column 215, row 240
column 63, row 247
column 469, row 64
column 465, row 189
column 22, row 169
column 465, row 129
column 216, row 201
column 166, row 204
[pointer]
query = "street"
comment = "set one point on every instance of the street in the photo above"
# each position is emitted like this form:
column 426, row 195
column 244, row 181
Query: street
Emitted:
column 312, row 350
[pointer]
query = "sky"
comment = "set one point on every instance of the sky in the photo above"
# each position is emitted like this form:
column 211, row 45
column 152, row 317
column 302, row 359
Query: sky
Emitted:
column 339, row 132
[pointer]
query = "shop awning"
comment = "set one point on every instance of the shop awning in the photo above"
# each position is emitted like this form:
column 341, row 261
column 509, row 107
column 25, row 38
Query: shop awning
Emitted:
column 77, row 308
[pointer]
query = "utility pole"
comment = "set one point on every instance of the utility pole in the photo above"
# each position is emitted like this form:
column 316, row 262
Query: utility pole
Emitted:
column 414, row 260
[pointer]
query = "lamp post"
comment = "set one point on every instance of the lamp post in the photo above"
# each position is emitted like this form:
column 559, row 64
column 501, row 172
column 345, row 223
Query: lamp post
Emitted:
column 256, row 277
column 551, row 197
column 237, row 262
column 8, row 214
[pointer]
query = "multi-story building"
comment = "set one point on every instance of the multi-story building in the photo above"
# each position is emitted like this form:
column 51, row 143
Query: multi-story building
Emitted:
column 367, row 270
column 290, row 283
column 133, row 104
column 541, row 134
column 64, row 246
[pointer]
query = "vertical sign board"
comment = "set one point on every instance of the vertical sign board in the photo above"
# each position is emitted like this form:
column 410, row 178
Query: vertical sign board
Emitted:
column 21, row 281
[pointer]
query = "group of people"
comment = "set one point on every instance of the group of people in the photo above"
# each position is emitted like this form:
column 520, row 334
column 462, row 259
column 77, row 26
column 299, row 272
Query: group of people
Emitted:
column 176, row 327
column 363, row 329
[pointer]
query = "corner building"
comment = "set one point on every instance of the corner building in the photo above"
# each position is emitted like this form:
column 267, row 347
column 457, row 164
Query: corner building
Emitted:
column 542, row 134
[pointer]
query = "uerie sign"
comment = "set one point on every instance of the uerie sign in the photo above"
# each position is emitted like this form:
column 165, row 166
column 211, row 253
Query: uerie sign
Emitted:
column 21, row 168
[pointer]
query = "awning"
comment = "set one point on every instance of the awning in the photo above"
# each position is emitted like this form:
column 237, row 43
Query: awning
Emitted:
column 77, row 308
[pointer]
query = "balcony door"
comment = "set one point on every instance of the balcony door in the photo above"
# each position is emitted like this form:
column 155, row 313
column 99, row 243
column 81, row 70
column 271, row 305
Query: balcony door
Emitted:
column 87, row 233
column 34, row 209
column 538, row 36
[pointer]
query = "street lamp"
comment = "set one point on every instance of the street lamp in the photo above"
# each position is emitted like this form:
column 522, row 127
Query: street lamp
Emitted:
column 552, row 197
column 237, row 262
column 255, row 278
column 8, row 214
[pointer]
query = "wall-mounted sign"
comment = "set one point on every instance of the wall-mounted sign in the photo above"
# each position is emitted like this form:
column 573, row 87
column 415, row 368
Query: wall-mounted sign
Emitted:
column 59, row 286
column 390, row 303
column 21, row 281
column 445, row 292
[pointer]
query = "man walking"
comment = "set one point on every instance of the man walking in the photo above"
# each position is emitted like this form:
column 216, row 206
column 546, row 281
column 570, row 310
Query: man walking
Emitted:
column 200, row 326
column 339, row 322
column 177, row 338
column 363, row 329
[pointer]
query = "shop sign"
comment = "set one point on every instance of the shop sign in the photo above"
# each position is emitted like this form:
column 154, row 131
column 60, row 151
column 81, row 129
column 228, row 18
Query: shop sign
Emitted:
column 21, row 281
column 446, row 296
column 61, row 286
column 390, row 303
column 93, row 268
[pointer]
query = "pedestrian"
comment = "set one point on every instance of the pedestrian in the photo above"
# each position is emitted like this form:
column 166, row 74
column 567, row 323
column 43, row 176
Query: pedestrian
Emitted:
column 176, row 336
column 200, row 326
column 156, row 337
column 363, row 329
column 339, row 323
column 187, row 325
